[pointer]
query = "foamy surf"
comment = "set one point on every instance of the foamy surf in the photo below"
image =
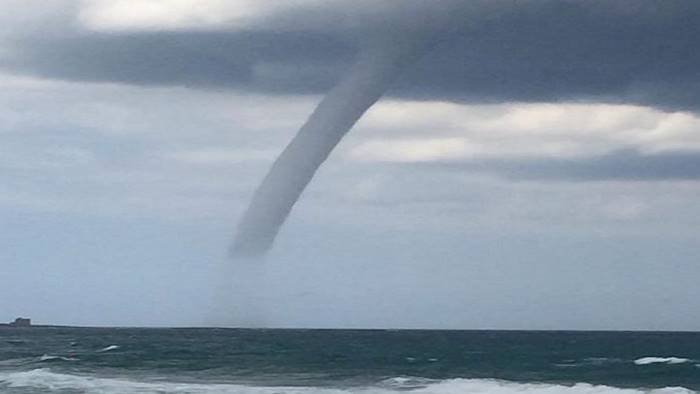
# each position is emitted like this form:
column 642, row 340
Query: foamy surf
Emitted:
column 661, row 360
column 48, row 357
column 48, row 381
column 108, row 348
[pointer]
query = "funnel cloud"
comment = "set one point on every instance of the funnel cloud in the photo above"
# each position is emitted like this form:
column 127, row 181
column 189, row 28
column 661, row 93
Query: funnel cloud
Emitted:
column 337, row 113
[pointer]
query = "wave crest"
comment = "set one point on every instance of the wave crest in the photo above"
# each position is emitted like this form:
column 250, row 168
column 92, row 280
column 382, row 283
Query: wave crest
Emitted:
column 661, row 360
column 46, row 379
column 108, row 348
column 48, row 358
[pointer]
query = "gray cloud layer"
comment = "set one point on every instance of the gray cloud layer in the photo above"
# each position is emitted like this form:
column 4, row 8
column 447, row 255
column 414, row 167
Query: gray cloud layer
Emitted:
column 628, row 51
column 627, row 165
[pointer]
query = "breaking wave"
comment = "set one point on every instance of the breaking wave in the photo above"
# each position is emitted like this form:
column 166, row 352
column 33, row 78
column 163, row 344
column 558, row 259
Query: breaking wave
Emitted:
column 108, row 348
column 661, row 360
column 48, row 357
column 44, row 379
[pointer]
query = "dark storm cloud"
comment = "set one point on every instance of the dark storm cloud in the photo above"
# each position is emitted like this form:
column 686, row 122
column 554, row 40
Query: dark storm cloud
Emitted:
column 567, row 51
column 197, row 59
column 624, row 165
column 641, row 52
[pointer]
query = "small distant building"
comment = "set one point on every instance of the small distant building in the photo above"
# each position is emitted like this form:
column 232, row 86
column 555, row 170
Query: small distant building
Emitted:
column 21, row 322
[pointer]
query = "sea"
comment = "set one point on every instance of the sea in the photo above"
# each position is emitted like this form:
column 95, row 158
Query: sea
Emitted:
column 278, row 361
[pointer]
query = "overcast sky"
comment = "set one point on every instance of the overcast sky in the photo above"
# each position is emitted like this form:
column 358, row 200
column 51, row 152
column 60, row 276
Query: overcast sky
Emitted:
column 538, row 168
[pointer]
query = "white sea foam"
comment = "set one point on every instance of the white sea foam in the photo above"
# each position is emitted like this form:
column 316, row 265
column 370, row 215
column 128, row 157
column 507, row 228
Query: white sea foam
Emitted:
column 108, row 348
column 48, row 357
column 662, row 360
column 43, row 379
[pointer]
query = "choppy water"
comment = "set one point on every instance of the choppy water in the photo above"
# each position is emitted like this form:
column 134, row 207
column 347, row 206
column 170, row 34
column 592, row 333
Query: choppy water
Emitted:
column 110, row 360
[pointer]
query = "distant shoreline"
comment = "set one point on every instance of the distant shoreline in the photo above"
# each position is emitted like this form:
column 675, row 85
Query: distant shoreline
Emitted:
column 56, row 326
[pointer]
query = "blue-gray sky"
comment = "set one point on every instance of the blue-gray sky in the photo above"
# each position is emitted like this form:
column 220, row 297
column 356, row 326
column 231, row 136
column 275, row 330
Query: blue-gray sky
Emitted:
column 539, row 168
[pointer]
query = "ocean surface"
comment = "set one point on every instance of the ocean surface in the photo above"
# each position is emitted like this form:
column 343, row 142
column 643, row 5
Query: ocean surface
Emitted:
column 127, row 360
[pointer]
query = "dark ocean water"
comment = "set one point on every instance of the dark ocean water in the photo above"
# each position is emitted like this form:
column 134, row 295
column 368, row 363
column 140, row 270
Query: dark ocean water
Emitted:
column 112, row 360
